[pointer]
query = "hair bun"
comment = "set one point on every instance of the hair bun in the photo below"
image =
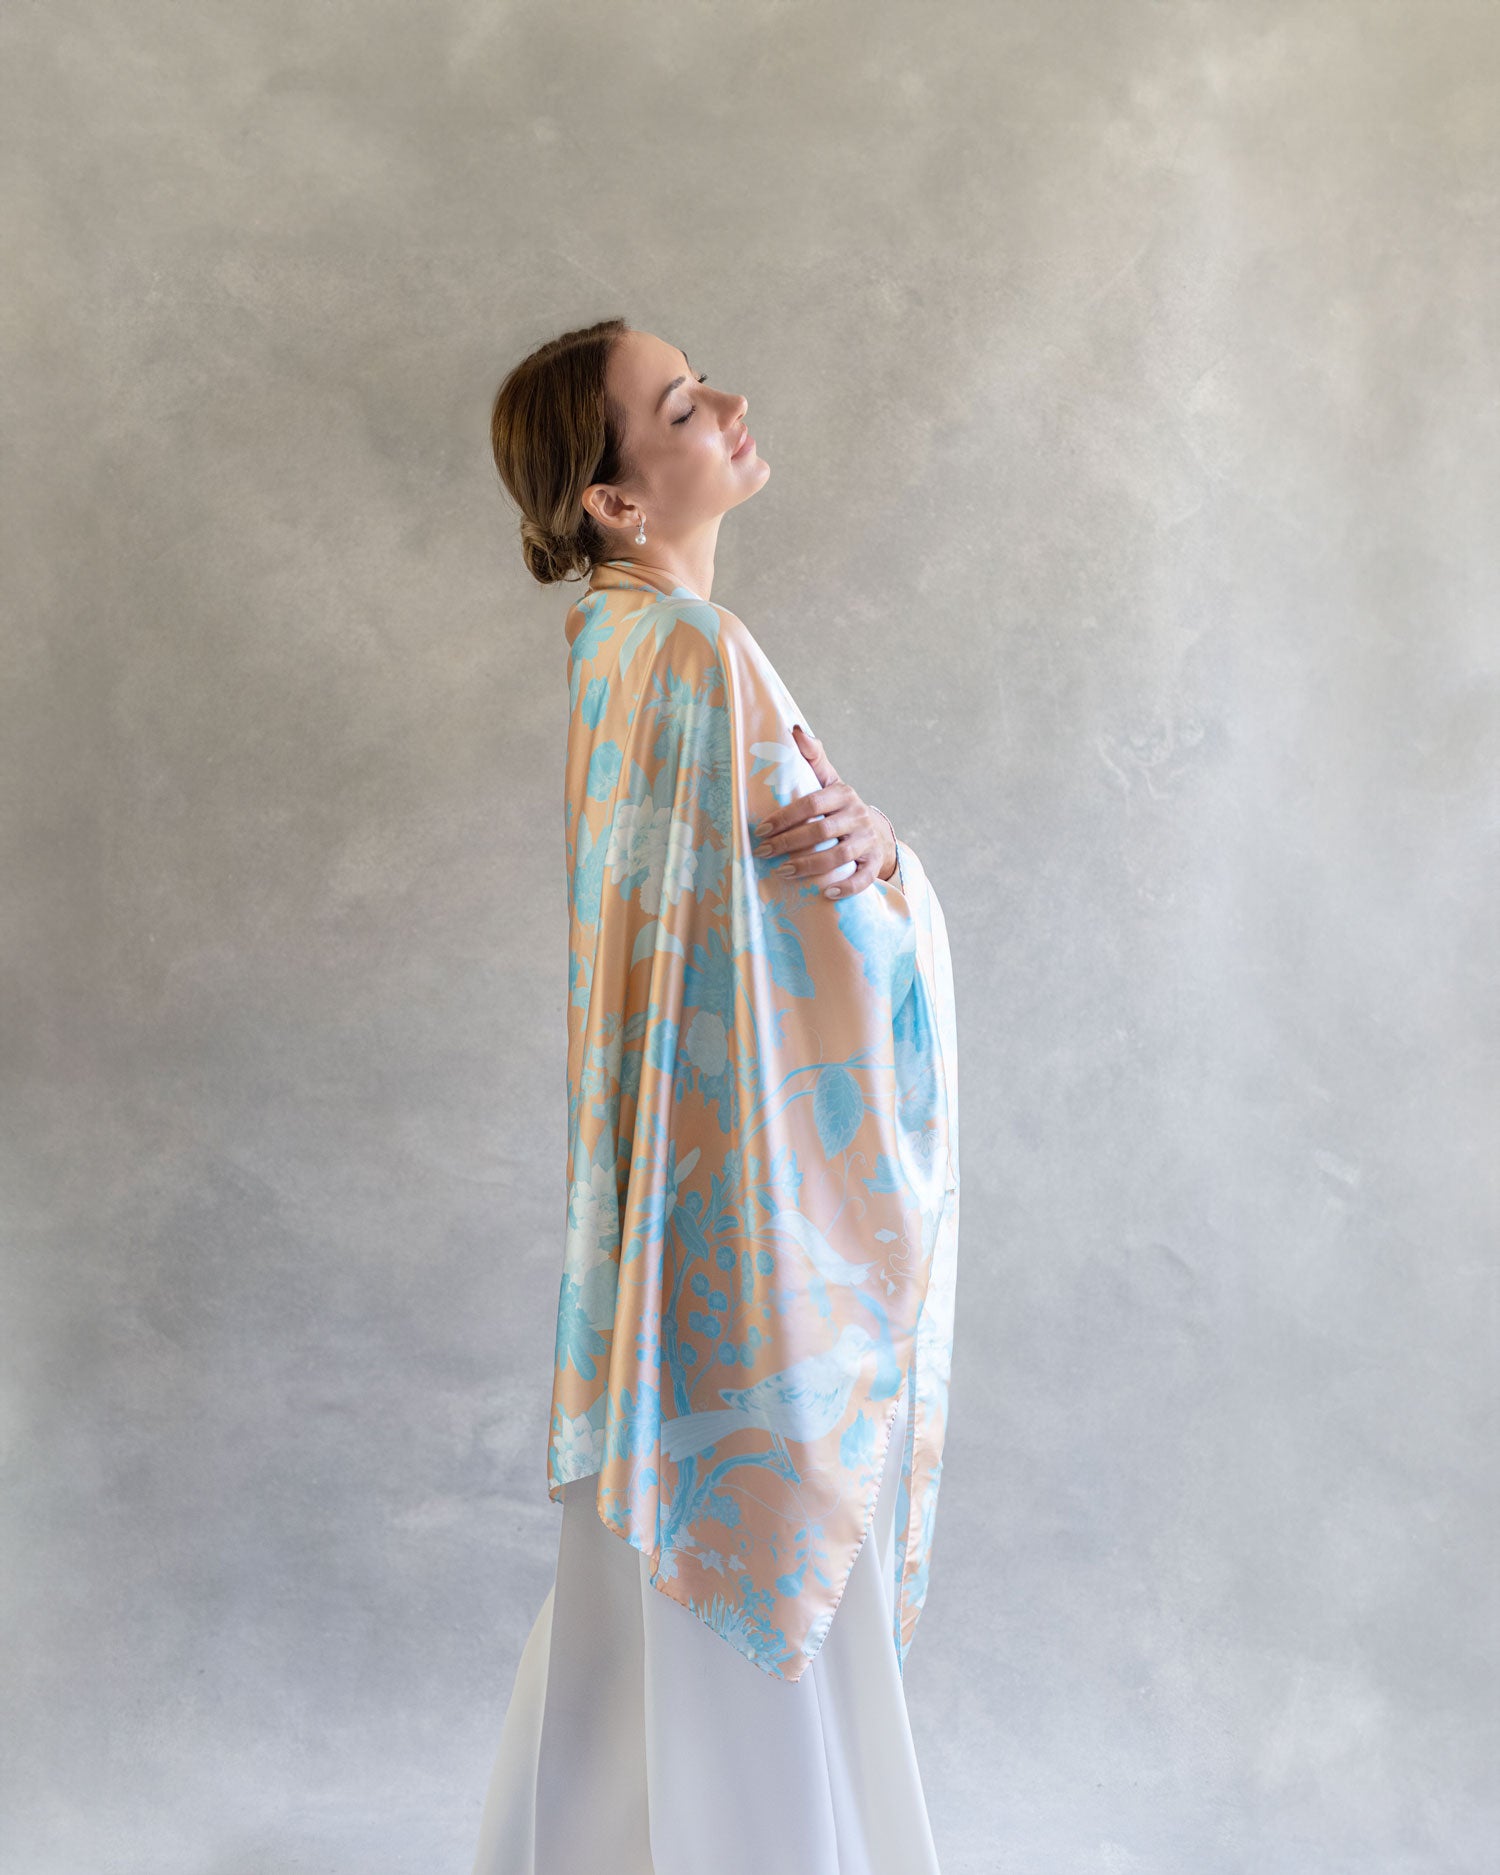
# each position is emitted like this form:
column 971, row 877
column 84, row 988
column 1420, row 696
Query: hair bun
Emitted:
column 549, row 557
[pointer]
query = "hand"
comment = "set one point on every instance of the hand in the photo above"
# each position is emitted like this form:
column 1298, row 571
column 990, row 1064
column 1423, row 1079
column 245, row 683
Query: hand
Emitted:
column 863, row 835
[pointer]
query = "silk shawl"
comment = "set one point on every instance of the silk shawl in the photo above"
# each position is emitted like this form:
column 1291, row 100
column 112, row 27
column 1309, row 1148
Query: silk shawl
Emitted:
column 762, row 1179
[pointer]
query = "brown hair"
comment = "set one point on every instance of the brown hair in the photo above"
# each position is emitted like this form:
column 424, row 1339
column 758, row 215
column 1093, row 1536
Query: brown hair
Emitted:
column 554, row 432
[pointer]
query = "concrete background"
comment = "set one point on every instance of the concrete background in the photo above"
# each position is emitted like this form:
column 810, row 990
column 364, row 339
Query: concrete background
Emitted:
column 1128, row 374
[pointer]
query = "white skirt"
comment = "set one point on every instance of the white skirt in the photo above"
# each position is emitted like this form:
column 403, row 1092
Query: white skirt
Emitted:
column 638, row 1742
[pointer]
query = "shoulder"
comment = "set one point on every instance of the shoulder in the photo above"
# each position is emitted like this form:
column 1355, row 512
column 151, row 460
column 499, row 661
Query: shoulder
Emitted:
column 688, row 634
column 682, row 639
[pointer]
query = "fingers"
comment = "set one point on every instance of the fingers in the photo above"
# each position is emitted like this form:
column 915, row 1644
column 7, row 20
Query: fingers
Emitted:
column 790, row 826
column 857, row 844
column 799, row 840
column 859, row 880
column 812, row 749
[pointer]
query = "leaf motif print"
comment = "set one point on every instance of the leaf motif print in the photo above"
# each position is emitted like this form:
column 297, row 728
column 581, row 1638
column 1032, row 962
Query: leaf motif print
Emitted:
column 838, row 1108
column 588, row 875
column 604, row 771
column 784, row 953
column 594, row 700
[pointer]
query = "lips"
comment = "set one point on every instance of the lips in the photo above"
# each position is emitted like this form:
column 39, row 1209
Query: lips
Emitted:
column 745, row 442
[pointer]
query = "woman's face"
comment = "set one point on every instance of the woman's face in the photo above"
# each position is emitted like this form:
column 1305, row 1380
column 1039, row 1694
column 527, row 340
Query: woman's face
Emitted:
column 680, row 436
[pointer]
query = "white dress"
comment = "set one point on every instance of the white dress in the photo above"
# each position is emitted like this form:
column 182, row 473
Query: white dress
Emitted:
column 638, row 1742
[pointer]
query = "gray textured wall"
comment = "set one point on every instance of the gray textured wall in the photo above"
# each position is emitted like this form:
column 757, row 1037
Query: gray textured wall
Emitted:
column 1128, row 373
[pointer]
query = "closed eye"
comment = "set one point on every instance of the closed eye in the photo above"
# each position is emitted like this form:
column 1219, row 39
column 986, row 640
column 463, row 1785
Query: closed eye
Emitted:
column 702, row 378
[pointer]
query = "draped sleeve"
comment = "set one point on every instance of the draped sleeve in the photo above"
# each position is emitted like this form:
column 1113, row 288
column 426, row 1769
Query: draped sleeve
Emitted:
column 762, row 1179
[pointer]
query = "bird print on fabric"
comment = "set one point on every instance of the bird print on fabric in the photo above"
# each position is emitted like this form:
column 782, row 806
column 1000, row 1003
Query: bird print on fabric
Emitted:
column 800, row 1403
column 821, row 1254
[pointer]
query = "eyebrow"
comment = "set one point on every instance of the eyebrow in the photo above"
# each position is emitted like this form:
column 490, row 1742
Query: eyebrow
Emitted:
column 670, row 388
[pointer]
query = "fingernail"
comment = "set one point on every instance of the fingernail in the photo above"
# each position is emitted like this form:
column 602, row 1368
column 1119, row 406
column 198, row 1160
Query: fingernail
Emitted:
column 763, row 829
column 834, row 890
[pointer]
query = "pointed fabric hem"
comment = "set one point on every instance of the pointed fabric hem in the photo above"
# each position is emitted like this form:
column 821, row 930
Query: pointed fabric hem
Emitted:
column 723, row 1629
column 634, row 1742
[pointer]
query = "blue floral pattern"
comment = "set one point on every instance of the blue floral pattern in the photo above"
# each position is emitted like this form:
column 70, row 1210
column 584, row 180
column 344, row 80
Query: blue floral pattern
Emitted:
column 762, row 1185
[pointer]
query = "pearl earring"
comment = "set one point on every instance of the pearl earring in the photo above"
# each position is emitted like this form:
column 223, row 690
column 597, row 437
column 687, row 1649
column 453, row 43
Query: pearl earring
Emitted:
column 640, row 532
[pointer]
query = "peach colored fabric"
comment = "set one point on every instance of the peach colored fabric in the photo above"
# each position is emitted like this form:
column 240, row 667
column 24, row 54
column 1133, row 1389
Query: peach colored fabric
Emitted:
column 636, row 1743
column 762, row 1187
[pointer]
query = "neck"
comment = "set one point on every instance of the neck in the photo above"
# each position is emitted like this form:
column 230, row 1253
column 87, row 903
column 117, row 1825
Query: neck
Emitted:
column 687, row 562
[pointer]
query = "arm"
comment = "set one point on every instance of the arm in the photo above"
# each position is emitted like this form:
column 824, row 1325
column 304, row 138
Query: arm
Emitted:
column 801, row 833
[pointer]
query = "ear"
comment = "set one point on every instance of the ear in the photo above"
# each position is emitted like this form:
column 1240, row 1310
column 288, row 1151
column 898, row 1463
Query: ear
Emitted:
column 604, row 504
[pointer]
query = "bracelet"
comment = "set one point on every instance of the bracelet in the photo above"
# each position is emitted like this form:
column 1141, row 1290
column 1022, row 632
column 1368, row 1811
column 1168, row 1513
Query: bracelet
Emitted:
column 896, row 875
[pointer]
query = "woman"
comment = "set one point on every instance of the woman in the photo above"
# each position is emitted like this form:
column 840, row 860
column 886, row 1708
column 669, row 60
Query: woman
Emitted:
column 755, row 1310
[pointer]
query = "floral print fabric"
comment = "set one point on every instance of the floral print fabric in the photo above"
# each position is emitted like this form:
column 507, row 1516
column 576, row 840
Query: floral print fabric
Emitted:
column 762, row 1185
